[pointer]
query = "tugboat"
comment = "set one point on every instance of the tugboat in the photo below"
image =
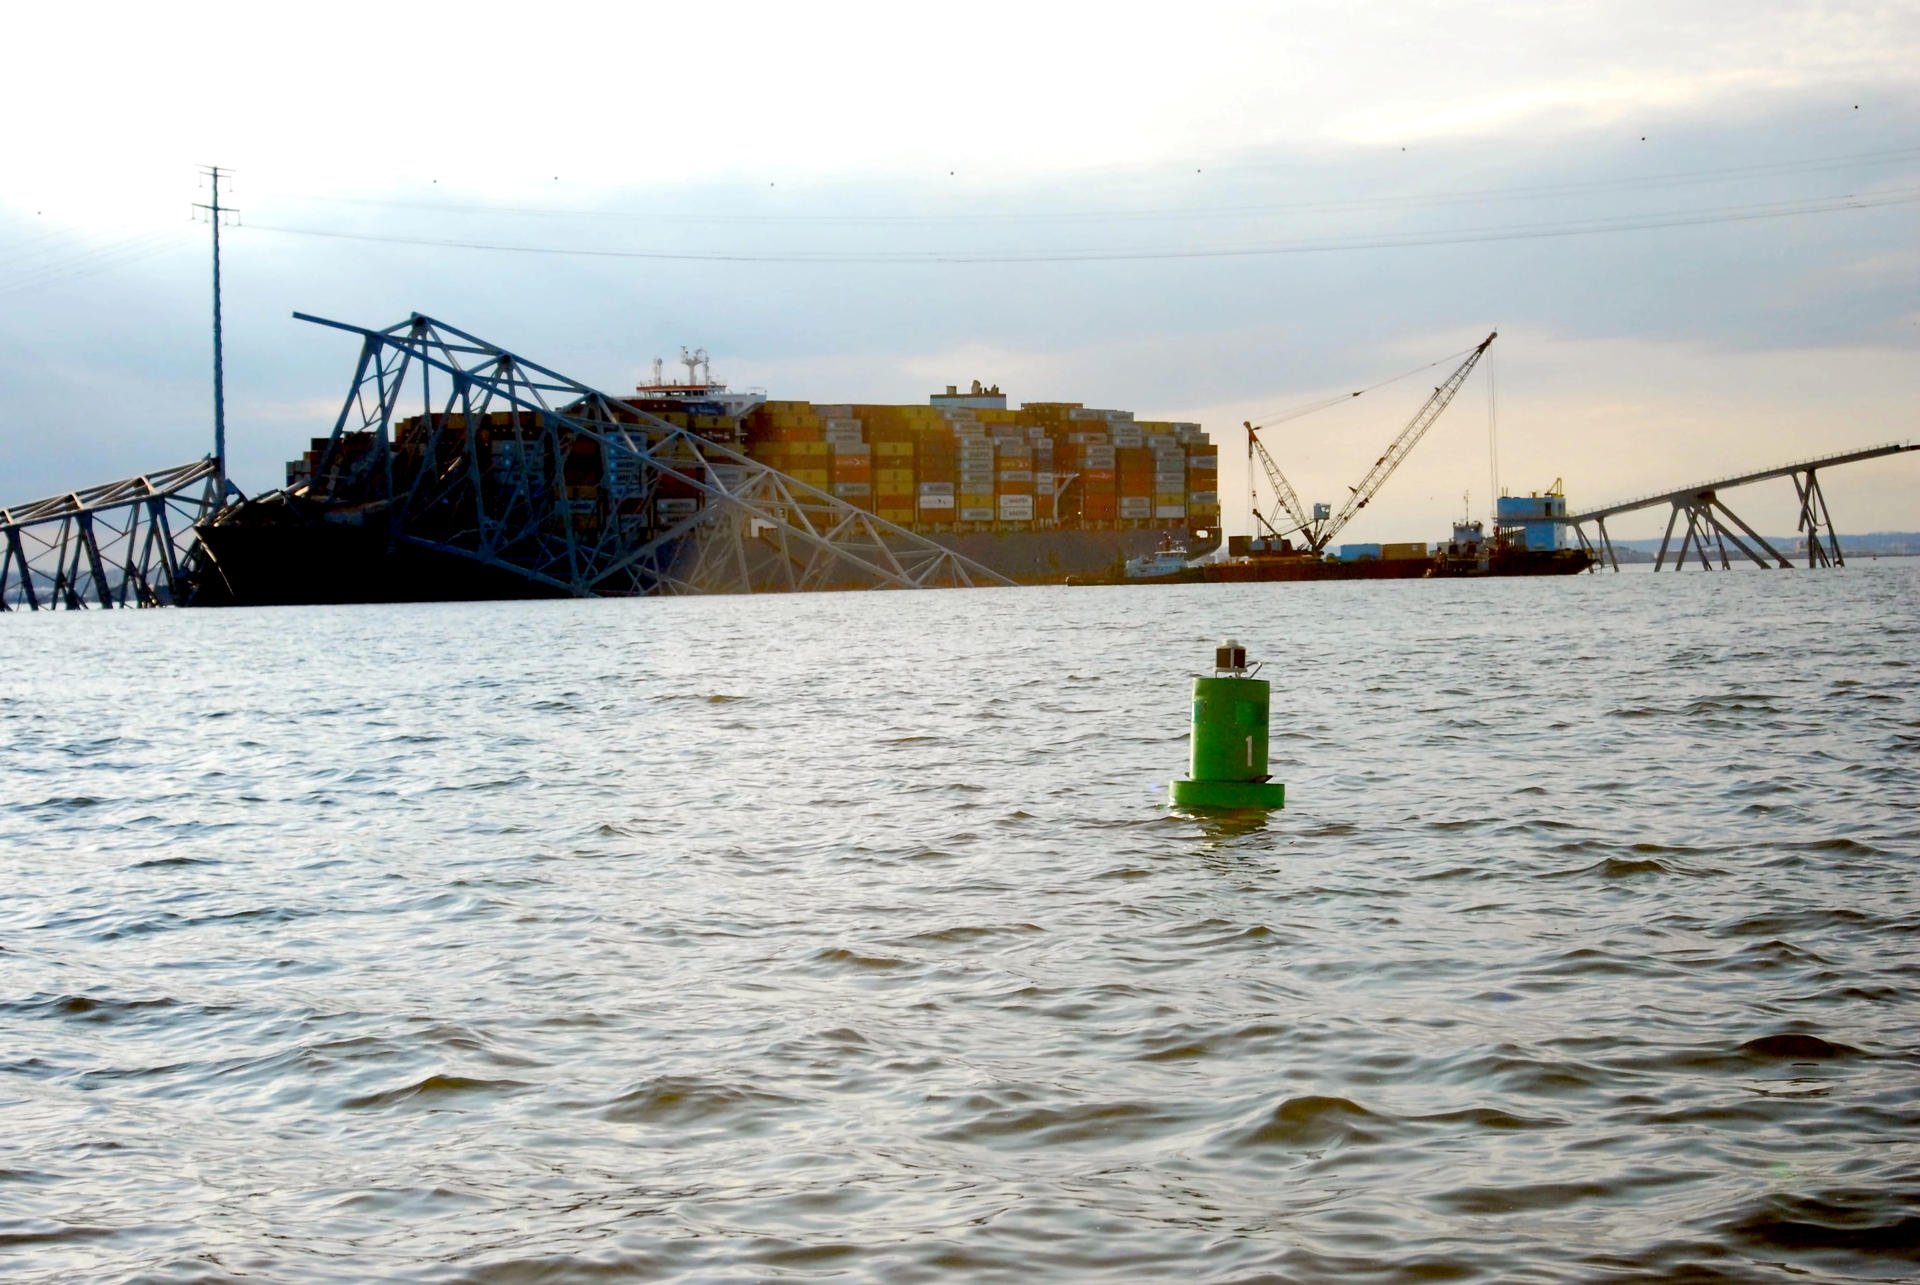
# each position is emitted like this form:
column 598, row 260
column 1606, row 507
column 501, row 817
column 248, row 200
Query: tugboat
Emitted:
column 1167, row 562
column 1465, row 554
column 1525, row 543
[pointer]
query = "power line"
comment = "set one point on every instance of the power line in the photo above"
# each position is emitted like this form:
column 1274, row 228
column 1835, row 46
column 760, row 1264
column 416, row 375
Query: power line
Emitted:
column 1380, row 241
column 119, row 254
column 1468, row 196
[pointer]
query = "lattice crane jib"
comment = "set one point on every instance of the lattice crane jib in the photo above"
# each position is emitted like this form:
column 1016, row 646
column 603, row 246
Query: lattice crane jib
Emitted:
column 1361, row 494
column 514, row 465
column 1321, row 525
column 1286, row 501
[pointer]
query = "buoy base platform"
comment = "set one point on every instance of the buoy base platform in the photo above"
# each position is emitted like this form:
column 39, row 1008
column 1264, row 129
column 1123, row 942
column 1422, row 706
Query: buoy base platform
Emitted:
column 1229, row 795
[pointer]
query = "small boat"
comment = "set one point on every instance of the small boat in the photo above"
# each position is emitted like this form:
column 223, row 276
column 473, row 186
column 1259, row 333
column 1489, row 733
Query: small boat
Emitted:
column 1167, row 560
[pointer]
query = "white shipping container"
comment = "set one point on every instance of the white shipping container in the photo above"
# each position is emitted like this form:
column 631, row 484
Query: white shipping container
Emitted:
column 1169, row 511
column 1203, row 499
column 976, row 515
column 840, row 410
column 1019, row 508
column 936, row 488
column 839, row 423
column 675, row 509
column 854, row 447
column 936, row 504
column 958, row 412
column 1136, row 506
column 852, row 490
column 1016, row 475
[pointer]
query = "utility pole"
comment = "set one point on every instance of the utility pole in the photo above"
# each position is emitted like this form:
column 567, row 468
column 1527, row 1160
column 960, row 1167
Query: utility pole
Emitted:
column 214, row 211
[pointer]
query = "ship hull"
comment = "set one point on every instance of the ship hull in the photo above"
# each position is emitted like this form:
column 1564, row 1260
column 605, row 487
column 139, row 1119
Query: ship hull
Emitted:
column 277, row 559
column 1299, row 569
column 1519, row 562
column 312, row 563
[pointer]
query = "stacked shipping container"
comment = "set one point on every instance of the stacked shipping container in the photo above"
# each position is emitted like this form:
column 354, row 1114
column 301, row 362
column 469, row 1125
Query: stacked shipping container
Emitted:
column 964, row 467
column 944, row 467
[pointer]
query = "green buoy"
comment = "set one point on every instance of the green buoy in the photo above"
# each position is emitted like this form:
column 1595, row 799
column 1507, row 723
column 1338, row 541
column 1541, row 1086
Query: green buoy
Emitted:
column 1228, row 767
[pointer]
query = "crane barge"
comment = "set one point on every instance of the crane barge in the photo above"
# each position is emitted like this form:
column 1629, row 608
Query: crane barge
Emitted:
column 1291, row 540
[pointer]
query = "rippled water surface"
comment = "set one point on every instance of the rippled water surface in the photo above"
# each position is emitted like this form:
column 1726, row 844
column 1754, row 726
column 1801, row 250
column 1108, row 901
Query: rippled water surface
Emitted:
column 847, row 937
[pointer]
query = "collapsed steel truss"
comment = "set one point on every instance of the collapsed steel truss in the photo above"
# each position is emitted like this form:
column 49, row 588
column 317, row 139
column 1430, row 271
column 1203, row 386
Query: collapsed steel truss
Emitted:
column 456, row 489
column 1711, row 526
column 125, row 544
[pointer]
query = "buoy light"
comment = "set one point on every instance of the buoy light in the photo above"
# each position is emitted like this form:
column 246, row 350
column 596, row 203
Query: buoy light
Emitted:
column 1227, row 764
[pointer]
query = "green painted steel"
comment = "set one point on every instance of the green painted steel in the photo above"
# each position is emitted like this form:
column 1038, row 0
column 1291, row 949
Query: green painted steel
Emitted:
column 1229, row 794
column 1229, row 729
column 1228, row 763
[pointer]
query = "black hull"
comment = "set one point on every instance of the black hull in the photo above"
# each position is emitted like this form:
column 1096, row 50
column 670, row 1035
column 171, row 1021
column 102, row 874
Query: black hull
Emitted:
column 312, row 563
column 275, row 556
column 1300, row 569
column 1521, row 562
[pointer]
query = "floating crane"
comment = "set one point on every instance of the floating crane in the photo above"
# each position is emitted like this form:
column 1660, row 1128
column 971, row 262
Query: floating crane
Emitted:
column 1319, row 527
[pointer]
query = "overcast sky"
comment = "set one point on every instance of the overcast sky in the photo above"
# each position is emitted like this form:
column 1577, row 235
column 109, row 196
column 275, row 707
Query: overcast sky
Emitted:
column 1698, row 235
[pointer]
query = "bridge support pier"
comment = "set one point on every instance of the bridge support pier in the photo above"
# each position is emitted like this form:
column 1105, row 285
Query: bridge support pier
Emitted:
column 1709, row 519
column 1814, row 515
column 1605, row 546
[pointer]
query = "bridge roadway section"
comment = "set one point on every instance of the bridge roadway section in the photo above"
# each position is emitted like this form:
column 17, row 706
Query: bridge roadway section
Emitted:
column 1709, row 518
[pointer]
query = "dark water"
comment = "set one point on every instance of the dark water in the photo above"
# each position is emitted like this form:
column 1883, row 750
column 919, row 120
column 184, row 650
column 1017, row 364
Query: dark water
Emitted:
column 846, row 938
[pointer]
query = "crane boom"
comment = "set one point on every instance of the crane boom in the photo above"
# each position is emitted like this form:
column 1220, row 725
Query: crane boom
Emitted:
column 1282, row 490
column 1402, row 447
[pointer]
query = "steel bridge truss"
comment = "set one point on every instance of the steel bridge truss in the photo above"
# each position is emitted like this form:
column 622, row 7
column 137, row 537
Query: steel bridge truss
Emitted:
column 1710, row 526
column 467, row 486
column 125, row 544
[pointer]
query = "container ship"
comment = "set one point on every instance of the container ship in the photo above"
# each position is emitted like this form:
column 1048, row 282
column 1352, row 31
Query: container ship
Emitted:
column 1039, row 493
